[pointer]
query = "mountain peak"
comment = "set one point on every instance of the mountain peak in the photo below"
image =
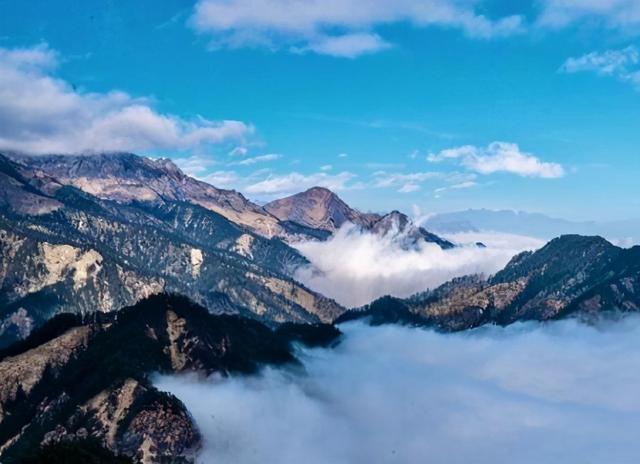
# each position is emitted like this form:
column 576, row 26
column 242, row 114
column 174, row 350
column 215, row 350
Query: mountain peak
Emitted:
column 319, row 208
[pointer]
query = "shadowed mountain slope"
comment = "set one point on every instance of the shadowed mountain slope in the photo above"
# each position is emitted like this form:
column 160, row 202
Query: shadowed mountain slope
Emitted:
column 91, row 377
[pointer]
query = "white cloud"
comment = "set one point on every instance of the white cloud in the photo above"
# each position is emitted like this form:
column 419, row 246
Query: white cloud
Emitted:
column 43, row 114
column 408, row 188
column 384, row 179
column 348, row 45
column 239, row 151
column 499, row 157
column 326, row 167
column 621, row 64
column 356, row 267
column 222, row 179
column 342, row 155
column 459, row 186
column 557, row 393
column 297, row 182
column 623, row 14
column 259, row 159
column 335, row 27
column 196, row 165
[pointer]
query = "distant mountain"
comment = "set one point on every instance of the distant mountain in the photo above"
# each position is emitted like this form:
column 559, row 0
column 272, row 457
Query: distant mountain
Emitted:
column 62, row 249
column 570, row 275
column 532, row 224
column 321, row 209
column 402, row 228
column 85, row 378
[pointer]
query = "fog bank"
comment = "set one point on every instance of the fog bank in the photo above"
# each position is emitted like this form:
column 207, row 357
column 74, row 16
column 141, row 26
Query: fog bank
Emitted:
column 533, row 393
column 355, row 267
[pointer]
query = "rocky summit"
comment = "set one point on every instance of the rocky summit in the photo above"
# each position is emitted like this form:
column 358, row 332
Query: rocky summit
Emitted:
column 320, row 209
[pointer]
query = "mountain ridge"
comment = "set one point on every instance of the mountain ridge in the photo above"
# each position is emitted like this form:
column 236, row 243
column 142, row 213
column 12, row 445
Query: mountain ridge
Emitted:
column 92, row 377
column 91, row 254
column 320, row 208
column 570, row 275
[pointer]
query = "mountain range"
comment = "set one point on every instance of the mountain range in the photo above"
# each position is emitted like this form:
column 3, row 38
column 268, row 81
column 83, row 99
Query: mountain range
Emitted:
column 572, row 274
column 537, row 225
column 114, row 267
column 100, row 232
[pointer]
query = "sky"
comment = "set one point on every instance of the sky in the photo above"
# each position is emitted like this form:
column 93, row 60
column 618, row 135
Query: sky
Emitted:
column 422, row 106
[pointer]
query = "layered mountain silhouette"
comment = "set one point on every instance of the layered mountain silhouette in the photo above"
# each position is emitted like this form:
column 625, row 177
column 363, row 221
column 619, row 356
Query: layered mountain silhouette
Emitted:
column 532, row 224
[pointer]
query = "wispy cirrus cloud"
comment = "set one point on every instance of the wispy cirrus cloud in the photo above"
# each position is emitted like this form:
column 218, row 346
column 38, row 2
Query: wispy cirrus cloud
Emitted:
column 40, row 113
column 499, row 157
column 623, row 14
column 342, row 28
column 258, row 159
column 622, row 64
column 403, row 182
column 459, row 186
column 294, row 182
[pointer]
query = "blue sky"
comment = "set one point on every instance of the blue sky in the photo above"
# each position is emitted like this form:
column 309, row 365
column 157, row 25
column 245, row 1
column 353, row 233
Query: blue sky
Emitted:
column 437, row 105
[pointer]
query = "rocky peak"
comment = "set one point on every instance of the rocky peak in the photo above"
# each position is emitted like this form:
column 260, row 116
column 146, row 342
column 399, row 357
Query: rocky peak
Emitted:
column 318, row 208
column 400, row 227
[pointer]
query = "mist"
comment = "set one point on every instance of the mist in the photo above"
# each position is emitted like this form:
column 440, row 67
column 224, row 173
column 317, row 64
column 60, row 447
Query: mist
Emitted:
column 355, row 267
column 559, row 392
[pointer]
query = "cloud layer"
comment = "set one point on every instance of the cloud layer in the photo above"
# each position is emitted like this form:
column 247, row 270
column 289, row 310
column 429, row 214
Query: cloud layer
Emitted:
column 499, row 157
column 43, row 114
column 356, row 267
column 342, row 28
column 555, row 393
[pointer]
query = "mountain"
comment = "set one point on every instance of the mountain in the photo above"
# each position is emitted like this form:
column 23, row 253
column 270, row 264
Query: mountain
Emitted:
column 65, row 250
column 532, row 224
column 400, row 227
column 319, row 208
column 91, row 378
column 126, row 178
column 570, row 275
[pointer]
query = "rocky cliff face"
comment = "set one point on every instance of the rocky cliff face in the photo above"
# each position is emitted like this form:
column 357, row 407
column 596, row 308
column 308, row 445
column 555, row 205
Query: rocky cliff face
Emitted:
column 570, row 275
column 91, row 254
column 76, row 379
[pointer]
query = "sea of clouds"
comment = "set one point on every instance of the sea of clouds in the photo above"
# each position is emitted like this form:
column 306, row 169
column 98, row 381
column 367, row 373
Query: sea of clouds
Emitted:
column 355, row 267
column 560, row 392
